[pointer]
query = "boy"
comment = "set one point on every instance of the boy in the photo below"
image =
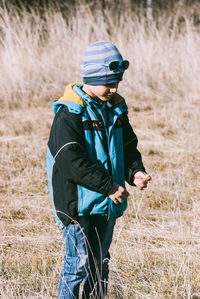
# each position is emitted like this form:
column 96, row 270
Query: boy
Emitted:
column 92, row 150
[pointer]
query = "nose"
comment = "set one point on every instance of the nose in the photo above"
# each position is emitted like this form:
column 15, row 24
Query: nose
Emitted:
column 114, row 87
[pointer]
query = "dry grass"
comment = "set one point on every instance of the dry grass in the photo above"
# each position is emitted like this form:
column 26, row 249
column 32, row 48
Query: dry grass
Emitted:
column 155, row 251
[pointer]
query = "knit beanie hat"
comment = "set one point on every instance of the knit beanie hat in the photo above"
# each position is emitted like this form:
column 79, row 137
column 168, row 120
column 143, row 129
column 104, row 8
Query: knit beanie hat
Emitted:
column 102, row 64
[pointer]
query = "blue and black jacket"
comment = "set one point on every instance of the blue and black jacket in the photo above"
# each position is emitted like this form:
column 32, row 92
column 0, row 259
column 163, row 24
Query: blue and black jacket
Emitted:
column 88, row 150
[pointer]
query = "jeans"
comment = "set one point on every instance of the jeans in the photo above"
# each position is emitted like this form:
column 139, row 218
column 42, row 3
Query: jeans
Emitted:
column 86, row 258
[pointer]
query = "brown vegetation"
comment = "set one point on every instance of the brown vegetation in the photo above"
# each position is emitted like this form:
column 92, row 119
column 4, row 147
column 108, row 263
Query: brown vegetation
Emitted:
column 155, row 251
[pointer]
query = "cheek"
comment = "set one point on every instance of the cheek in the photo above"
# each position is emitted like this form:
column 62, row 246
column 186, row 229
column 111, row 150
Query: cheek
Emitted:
column 106, row 91
column 102, row 92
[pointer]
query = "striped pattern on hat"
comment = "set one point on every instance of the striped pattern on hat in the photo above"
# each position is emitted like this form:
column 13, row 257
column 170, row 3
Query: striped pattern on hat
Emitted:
column 94, row 64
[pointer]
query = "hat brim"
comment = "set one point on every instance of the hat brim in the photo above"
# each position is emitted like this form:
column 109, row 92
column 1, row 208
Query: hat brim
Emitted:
column 103, row 80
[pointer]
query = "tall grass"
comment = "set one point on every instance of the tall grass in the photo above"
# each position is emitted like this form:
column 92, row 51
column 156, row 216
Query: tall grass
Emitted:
column 40, row 52
column 155, row 251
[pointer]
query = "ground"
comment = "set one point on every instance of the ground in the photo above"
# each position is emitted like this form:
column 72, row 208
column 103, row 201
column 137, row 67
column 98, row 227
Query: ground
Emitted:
column 155, row 251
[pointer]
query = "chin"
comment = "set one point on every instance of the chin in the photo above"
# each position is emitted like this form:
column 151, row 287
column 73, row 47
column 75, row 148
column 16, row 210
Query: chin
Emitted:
column 105, row 99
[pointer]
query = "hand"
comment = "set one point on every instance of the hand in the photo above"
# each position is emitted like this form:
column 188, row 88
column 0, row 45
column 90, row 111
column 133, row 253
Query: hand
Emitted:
column 118, row 193
column 141, row 179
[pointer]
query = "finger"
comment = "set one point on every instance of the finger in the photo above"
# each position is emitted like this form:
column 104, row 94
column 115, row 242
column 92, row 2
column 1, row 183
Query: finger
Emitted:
column 123, row 196
column 138, row 182
column 147, row 179
column 142, row 186
column 143, row 176
column 115, row 201
column 143, row 182
column 121, row 200
column 125, row 193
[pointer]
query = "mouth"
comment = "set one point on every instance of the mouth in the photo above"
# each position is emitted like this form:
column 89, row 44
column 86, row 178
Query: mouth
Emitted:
column 109, row 95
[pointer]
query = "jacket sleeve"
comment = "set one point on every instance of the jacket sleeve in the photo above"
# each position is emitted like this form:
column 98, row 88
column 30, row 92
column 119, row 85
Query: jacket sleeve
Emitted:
column 66, row 143
column 132, row 157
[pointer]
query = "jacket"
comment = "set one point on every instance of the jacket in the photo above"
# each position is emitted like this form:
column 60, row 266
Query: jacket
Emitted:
column 88, row 150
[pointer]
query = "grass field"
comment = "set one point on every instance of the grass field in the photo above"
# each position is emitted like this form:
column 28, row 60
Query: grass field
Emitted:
column 155, row 251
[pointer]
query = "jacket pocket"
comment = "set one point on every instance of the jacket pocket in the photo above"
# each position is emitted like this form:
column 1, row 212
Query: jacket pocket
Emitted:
column 91, row 202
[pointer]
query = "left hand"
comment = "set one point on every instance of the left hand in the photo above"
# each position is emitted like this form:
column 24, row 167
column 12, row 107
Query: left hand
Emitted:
column 141, row 179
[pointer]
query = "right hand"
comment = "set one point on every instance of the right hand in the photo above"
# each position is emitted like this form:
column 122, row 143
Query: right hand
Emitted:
column 118, row 193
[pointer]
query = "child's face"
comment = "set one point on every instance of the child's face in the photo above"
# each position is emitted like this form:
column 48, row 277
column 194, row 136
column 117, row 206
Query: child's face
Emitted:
column 103, row 92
